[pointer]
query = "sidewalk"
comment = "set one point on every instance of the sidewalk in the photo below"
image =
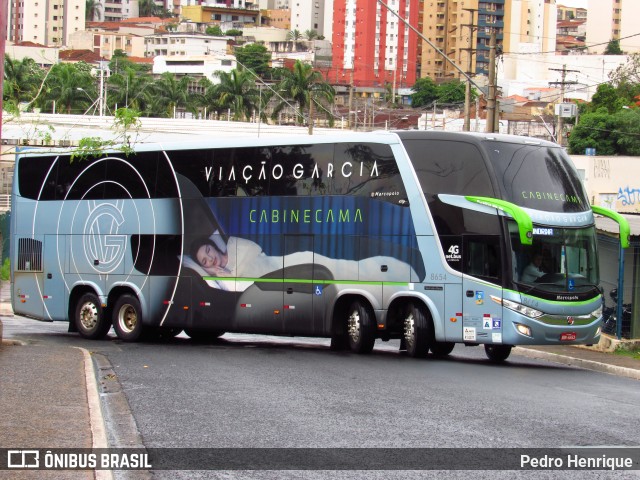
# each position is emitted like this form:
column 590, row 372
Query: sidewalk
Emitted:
column 48, row 399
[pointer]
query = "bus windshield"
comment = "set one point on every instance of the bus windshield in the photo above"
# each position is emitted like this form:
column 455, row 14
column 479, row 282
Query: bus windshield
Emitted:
column 559, row 260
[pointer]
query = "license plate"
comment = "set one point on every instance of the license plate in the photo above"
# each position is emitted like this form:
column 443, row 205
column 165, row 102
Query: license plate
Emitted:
column 567, row 336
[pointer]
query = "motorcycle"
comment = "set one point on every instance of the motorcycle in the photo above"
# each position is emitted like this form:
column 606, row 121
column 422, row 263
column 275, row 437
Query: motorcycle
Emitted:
column 610, row 317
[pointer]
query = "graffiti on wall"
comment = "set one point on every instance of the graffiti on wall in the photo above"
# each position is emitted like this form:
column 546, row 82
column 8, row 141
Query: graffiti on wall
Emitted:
column 601, row 168
column 629, row 196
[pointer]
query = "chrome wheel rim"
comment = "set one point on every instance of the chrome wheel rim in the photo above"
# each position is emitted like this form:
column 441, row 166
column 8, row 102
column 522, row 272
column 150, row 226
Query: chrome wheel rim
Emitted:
column 409, row 330
column 127, row 318
column 88, row 315
column 354, row 325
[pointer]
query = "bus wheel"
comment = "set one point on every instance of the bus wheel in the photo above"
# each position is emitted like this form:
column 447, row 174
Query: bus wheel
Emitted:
column 442, row 349
column 497, row 353
column 417, row 331
column 202, row 335
column 127, row 318
column 90, row 319
column 360, row 328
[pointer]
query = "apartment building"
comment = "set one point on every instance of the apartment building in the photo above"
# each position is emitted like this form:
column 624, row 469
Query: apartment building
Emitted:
column 571, row 13
column 231, row 12
column 308, row 15
column 613, row 20
column 371, row 46
column 462, row 30
column 47, row 23
column 184, row 44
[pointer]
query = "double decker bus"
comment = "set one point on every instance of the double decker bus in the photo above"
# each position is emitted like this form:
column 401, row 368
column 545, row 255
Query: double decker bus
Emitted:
column 433, row 238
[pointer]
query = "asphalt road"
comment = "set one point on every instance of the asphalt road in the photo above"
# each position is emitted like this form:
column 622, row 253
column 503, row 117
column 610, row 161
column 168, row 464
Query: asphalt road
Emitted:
column 256, row 391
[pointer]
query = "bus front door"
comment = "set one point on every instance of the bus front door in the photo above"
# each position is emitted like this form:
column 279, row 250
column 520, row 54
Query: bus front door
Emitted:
column 481, row 279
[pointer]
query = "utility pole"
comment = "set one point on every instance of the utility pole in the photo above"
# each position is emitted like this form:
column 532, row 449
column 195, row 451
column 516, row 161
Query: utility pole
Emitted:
column 470, row 51
column 562, row 83
column 491, row 98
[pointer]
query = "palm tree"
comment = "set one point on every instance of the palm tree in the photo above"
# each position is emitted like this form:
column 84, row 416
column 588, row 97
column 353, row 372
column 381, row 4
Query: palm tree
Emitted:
column 93, row 9
column 22, row 79
column 310, row 34
column 169, row 93
column 237, row 91
column 296, row 36
column 130, row 88
column 146, row 8
column 71, row 86
column 307, row 88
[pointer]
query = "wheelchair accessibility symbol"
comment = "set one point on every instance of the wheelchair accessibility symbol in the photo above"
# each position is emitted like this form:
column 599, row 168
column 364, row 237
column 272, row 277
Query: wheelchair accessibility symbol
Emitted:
column 318, row 290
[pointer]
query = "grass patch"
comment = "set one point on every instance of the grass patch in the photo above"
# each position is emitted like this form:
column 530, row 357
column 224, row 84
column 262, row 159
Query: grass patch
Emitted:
column 631, row 352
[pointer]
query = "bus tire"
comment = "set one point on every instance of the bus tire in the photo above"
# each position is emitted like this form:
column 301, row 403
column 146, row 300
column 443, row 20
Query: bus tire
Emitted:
column 127, row 318
column 497, row 353
column 418, row 331
column 442, row 349
column 89, row 318
column 360, row 328
column 202, row 335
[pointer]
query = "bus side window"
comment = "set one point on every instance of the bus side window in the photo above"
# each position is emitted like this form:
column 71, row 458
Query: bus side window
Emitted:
column 482, row 257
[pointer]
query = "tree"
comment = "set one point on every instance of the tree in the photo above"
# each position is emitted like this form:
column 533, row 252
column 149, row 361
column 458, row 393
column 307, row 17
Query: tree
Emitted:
column 629, row 72
column 295, row 36
column 22, row 79
column 613, row 48
column 255, row 57
column 168, row 93
column 93, row 9
column 606, row 97
column 303, row 86
column 237, row 91
column 130, row 88
column 425, row 92
column 72, row 87
column 146, row 8
column 452, row 92
column 310, row 34
column 234, row 32
column 617, row 134
column 215, row 31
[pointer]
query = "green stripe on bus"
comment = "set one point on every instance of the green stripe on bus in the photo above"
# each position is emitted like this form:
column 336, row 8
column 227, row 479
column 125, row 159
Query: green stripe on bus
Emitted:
column 307, row 281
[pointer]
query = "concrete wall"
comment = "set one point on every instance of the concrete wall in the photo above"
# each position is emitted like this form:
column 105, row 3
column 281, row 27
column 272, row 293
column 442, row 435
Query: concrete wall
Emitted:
column 612, row 182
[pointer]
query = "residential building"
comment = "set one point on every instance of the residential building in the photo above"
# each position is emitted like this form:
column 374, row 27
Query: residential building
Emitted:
column 236, row 13
column 277, row 18
column 184, row 44
column 462, row 30
column 195, row 66
column 571, row 13
column 530, row 28
column 306, row 16
column 531, row 22
column 116, row 10
column 613, row 20
column 44, row 56
column 371, row 46
column 47, row 23
column 104, row 38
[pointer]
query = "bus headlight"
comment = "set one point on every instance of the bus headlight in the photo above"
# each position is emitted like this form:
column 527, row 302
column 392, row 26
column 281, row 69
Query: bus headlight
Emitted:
column 597, row 313
column 518, row 307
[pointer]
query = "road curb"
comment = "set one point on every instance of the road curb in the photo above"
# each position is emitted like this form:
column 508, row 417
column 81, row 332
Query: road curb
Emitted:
column 578, row 362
